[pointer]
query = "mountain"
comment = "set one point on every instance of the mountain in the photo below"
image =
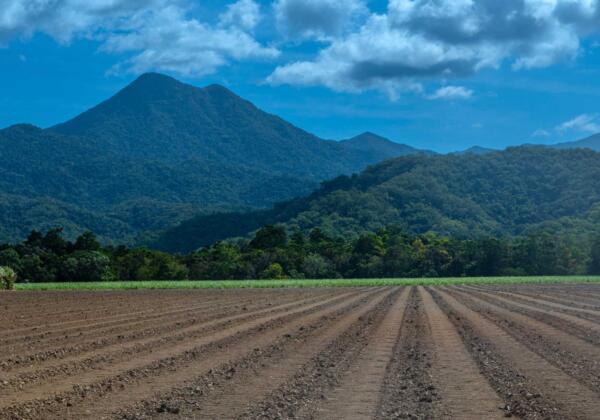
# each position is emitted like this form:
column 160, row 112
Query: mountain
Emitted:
column 156, row 153
column 379, row 147
column 463, row 196
column 592, row 142
column 476, row 150
column 157, row 117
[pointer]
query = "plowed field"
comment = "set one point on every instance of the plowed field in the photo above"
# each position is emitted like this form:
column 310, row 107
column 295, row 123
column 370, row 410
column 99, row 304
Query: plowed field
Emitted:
column 464, row 352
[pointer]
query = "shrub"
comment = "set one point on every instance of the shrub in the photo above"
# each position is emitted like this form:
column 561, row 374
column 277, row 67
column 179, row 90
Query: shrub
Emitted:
column 273, row 272
column 8, row 278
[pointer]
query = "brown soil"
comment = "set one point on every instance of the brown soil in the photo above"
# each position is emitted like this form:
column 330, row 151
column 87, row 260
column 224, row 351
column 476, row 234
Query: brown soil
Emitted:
column 451, row 352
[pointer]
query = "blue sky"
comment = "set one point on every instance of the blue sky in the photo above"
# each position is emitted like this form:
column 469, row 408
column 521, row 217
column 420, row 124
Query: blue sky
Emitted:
column 437, row 74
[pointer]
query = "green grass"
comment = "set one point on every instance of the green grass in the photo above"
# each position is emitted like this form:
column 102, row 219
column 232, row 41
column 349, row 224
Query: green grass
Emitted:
column 237, row 284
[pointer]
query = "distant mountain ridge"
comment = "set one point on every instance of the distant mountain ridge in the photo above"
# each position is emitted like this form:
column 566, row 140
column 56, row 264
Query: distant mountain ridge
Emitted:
column 591, row 142
column 460, row 195
column 161, row 152
column 476, row 150
column 158, row 152
column 381, row 147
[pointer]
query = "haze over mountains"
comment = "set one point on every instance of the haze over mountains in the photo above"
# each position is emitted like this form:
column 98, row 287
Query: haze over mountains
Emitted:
column 156, row 153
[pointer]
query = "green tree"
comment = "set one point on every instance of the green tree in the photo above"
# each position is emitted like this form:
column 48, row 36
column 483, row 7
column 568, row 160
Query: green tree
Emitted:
column 33, row 269
column 87, row 266
column 87, row 242
column 54, row 242
column 594, row 266
column 10, row 258
column 269, row 237
column 317, row 267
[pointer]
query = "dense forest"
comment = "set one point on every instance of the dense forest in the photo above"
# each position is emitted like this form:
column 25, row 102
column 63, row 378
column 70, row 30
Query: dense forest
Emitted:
column 501, row 194
column 273, row 254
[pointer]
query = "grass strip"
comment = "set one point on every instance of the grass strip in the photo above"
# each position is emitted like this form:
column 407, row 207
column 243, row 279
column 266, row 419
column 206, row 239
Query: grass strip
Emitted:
column 259, row 284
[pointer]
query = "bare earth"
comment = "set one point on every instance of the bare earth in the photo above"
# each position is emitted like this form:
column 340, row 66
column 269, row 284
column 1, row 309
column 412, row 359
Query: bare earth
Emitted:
column 464, row 352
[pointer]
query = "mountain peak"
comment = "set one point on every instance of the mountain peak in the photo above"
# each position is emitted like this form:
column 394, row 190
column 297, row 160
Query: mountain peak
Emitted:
column 22, row 128
column 158, row 81
column 369, row 136
column 151, row 84
column 379, row 146
column 152, row 77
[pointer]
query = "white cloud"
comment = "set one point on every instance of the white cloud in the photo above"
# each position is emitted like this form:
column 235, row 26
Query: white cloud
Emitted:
column 411, row 44
column 540, row 132
column 157, row 34
column 244, row 14
column 451, row 93
column 319, row 19
column 169, row 41
column 588, row 123
column 421, row 40
column 65, row 19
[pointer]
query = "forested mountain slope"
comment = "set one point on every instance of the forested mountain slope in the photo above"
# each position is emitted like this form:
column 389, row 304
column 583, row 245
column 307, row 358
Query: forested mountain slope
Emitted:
column 500, row 193
column 157, row 117
column 156, row 153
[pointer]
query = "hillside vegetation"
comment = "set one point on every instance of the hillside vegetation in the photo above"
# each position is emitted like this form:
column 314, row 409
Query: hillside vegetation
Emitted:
column 461, row 196
column 156, row 153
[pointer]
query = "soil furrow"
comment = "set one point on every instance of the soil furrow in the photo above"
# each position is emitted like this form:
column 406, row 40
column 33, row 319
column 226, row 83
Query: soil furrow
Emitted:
column 408, row 390
column 220, row 356
column 487, row 351
column 50, row 315
column 322, row 373
column 533, row 386
column 579, row 327
column 553, row 306
column 122, row 351
column 255, row 377
column 110, row 380
column 471, row 397
column 574, row 356
column 569, row 302
column 85, row 328
column 60, row 328
column 127, row 332
column 358, row 394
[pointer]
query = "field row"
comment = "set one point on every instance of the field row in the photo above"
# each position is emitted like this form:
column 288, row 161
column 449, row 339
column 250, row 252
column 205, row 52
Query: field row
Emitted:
column 469, row 352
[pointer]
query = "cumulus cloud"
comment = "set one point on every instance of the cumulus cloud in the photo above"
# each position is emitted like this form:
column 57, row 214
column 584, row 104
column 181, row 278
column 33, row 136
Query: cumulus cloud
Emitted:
column 410, row 44
column 419, row 40
column 317, row 18
column 156, row 34
column 588, row 123
column 451, row 93
column 169, row 41
column 244, row 14
column 64, row 19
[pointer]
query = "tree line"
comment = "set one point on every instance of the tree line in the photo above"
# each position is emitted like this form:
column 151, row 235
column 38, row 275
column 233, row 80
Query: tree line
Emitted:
column 272, row 253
